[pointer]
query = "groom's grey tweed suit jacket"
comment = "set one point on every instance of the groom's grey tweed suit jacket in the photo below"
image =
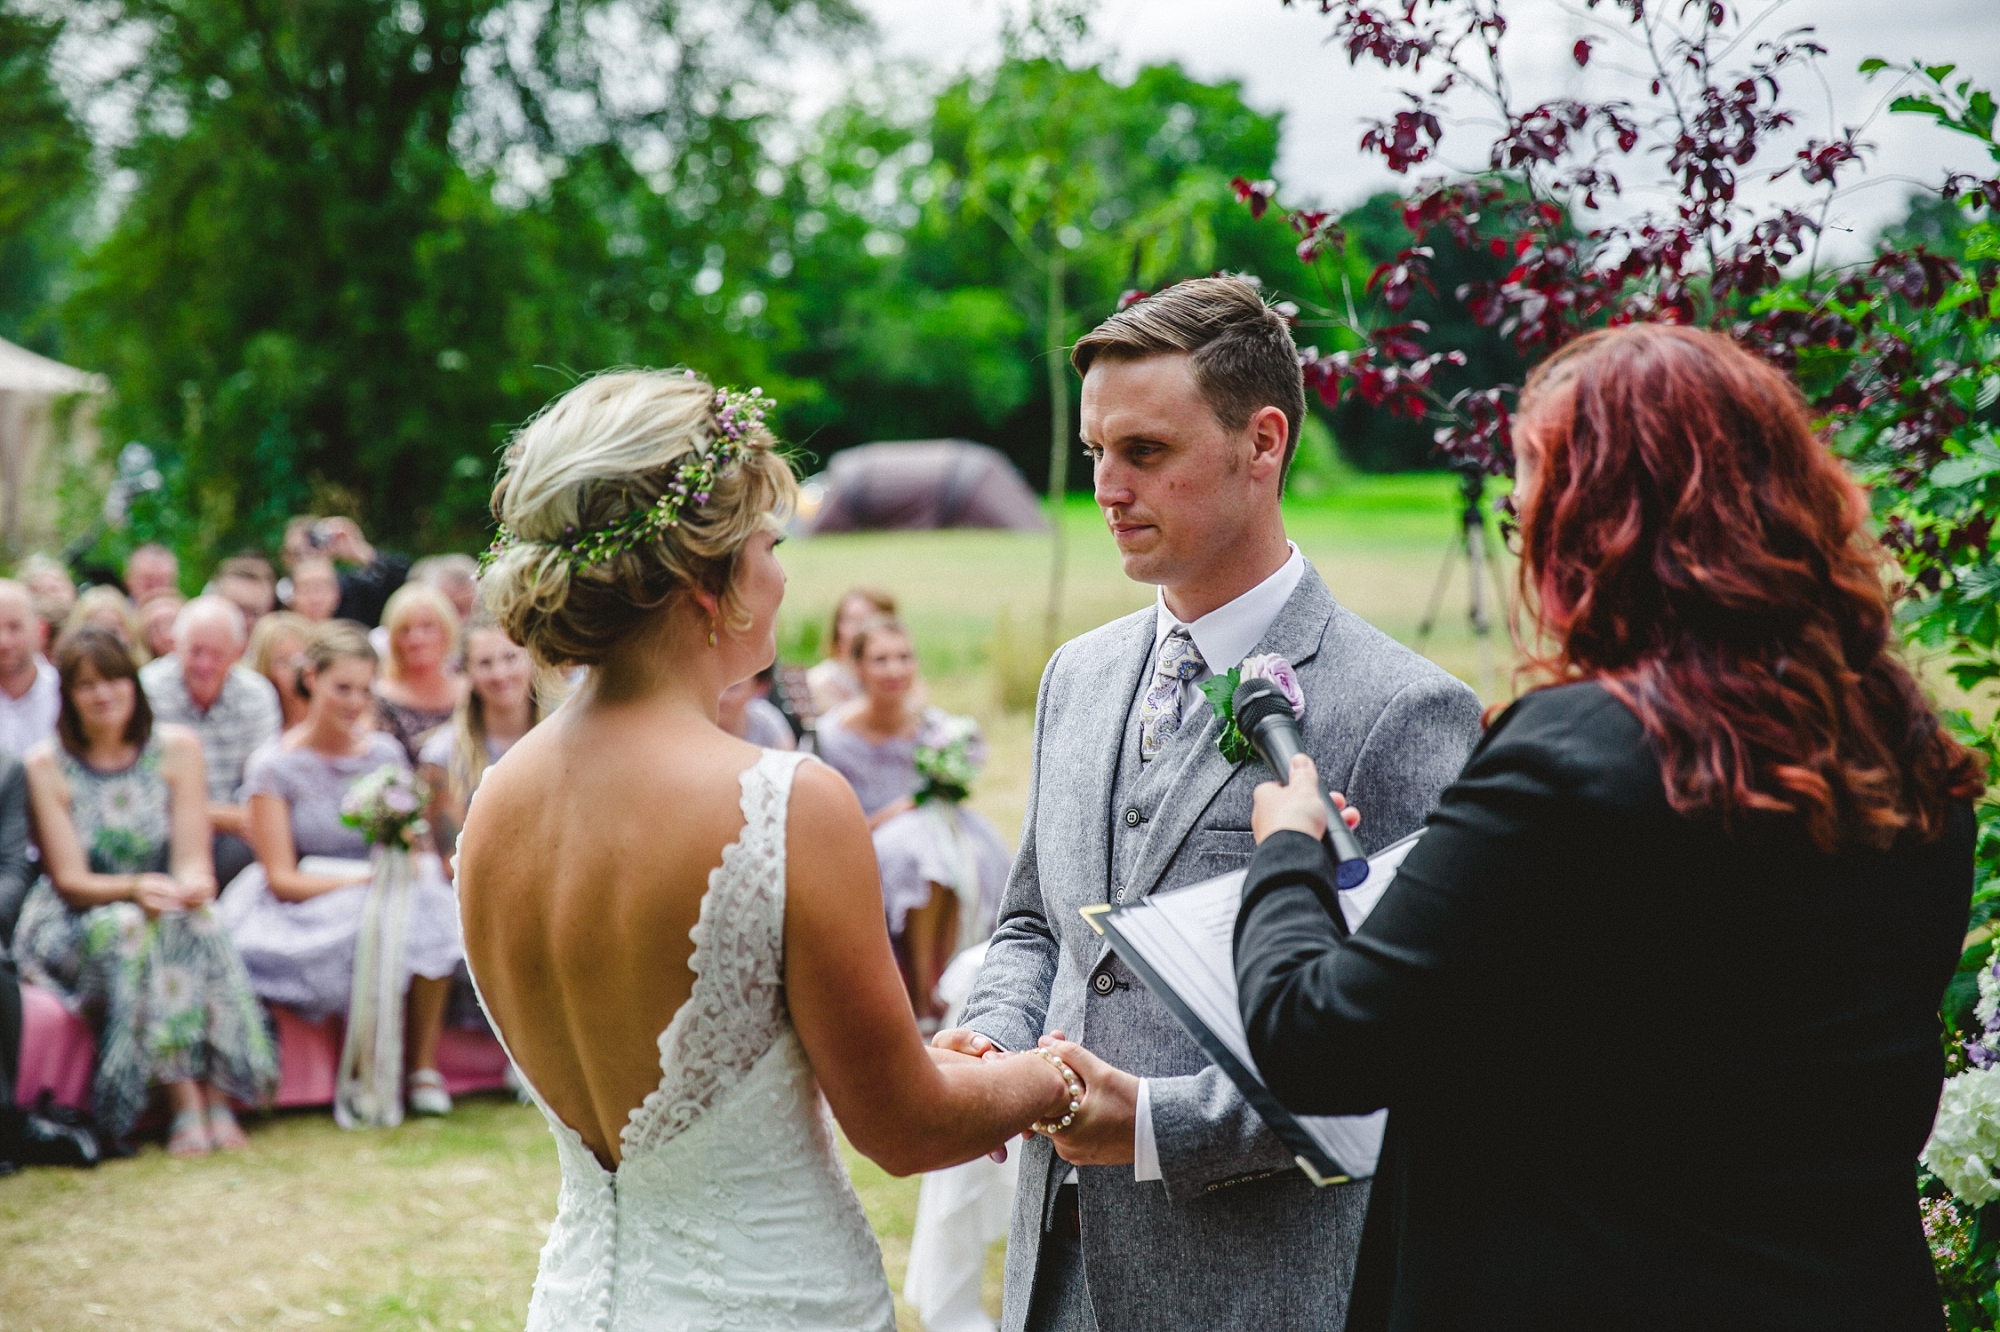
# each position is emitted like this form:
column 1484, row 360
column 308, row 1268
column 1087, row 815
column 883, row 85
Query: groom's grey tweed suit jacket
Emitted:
column 1235, row 1236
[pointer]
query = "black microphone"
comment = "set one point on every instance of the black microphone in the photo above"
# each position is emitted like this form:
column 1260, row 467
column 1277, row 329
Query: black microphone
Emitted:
column 1264, row 715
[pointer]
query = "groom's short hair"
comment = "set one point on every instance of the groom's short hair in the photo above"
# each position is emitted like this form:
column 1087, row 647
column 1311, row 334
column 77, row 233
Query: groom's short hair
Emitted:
column 1240, row 349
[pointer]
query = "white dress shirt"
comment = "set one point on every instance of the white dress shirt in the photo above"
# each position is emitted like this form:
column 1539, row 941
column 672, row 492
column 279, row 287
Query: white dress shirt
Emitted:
column 30, row 719
column 1224, row 637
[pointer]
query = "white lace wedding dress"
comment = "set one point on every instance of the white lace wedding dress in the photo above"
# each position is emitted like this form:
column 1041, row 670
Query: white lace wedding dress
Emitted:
column 730, row 1207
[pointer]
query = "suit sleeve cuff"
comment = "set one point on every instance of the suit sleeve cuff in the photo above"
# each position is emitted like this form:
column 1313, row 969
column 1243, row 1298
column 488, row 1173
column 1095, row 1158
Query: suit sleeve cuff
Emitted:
column 1145, row 1149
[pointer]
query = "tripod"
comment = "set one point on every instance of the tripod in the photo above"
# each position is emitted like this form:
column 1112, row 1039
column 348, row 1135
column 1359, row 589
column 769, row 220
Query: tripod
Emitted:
column 1471, row 542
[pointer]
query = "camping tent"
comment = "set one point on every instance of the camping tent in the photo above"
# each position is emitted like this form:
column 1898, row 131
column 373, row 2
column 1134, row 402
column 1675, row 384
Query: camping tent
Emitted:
column 923, row 483
column 30, row 385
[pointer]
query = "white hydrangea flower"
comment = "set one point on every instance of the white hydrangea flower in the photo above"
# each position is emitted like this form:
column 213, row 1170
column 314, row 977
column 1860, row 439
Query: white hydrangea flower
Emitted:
column 1965, row 1141
column 1989, row 994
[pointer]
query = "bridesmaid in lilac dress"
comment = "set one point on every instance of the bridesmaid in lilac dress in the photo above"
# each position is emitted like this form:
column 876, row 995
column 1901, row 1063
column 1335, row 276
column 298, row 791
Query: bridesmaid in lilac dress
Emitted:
column 943, row 867
column 295, row 914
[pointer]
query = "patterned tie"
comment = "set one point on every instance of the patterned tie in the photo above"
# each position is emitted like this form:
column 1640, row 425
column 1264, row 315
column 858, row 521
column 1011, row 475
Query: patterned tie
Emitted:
column 1160, row 713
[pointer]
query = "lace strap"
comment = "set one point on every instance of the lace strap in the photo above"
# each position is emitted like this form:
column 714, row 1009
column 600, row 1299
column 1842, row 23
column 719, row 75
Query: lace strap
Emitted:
column 736, row 1008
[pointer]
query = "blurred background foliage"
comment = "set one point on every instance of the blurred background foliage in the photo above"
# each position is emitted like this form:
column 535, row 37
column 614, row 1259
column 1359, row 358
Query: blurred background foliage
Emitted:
column 330, row 255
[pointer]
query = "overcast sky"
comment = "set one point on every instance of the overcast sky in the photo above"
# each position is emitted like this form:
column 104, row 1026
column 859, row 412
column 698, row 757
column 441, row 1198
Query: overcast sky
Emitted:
column 1280, row 56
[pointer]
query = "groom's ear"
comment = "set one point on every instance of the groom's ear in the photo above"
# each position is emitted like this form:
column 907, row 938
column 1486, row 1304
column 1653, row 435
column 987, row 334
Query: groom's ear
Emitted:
column 1270, row 436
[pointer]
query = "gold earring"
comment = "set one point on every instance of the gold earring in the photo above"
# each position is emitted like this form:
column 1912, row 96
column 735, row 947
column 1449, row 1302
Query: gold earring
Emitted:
column 711, row 633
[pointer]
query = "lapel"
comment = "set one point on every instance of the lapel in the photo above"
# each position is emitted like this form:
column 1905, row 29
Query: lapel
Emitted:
column 1099, row 734
column 1201, row 771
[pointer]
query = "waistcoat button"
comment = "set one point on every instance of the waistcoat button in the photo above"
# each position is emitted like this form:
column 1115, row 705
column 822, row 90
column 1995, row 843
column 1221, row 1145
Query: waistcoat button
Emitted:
column 1102, row 982
column 1133, row 818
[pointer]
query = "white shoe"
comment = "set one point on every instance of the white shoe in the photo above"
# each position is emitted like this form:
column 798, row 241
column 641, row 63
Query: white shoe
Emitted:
column 424, row 1093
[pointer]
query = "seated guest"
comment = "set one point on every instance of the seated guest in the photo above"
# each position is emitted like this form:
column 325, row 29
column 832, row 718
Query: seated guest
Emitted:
column 315, row 590
column 249, row 581
column 417, row 691
column 232, row 709
column 746, row 711
column 832, row 681
column 30, row 693
column 295, row 922
column 277, row 652
column 15, row 876
column 927, row 861
column 107, row 608
column 1654, row 1003
column 51, row 588
column 498, row 708
column 367, row 575
column 120, row 925
column 457, row 576
column 150, row 570
column 156, row 622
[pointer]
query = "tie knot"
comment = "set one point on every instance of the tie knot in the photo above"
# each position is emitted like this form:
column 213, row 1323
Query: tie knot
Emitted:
column 1179, row 657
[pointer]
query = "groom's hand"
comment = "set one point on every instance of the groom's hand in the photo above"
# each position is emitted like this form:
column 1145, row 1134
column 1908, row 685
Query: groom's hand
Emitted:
column 965, row 1041
column 1104, row 1127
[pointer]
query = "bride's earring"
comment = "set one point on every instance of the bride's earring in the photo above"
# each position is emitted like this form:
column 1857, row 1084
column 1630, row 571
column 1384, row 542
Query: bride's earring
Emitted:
column 711, row 633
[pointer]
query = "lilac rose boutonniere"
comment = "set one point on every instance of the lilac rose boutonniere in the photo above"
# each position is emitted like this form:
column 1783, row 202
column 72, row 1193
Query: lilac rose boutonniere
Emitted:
column 1221, row 692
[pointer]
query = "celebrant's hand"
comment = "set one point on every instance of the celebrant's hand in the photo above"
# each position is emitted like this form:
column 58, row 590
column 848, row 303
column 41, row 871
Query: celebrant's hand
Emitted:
column 1102, row 1133
column 1296, row 806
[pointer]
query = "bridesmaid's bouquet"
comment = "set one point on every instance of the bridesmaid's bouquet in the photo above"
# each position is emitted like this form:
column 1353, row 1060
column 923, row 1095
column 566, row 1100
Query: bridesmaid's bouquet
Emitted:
column 387, row 806
column 949, row 755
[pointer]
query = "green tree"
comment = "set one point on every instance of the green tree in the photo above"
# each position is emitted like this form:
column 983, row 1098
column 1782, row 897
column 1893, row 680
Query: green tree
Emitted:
column 44, row 174
column 369, row 236
column 948, row 249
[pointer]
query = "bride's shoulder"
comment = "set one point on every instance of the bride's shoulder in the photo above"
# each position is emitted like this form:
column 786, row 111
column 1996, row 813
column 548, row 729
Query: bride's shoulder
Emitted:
column 822, row 803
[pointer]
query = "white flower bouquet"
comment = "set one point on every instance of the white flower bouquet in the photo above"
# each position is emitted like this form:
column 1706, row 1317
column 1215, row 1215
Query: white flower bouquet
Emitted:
column 387, row 806
column 949, row 755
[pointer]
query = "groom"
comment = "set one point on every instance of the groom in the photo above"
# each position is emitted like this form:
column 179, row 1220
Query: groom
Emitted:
column 1168, row 1203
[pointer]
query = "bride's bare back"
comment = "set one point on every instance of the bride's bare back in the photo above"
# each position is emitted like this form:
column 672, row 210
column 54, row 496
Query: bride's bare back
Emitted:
column 582, row 868
column 584, row 862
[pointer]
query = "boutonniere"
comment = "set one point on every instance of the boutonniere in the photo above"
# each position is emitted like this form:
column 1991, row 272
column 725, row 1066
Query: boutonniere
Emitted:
column 1221, row 691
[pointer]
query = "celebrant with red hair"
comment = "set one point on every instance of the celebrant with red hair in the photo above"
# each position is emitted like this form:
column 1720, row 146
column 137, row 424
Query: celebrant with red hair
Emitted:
column 1653, row 1005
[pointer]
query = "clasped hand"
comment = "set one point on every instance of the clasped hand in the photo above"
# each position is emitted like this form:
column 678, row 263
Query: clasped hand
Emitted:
column 156, row 893
column 1102, row 1132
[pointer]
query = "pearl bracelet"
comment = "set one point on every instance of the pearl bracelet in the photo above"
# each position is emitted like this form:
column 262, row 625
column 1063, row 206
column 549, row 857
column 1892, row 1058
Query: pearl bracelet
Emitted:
column 1075, row 1095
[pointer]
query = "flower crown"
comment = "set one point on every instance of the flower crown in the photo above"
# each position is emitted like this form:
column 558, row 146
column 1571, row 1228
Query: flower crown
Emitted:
column 737, row 416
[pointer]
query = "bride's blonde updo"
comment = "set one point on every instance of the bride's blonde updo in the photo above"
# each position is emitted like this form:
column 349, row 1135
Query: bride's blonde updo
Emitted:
column 602, row 454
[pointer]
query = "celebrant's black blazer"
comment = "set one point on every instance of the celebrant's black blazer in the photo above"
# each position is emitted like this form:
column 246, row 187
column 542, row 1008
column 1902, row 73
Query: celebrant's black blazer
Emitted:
column 1640, row 1074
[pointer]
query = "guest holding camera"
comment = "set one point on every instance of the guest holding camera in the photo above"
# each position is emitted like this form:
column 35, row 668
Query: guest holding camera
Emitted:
column 1653, row 1004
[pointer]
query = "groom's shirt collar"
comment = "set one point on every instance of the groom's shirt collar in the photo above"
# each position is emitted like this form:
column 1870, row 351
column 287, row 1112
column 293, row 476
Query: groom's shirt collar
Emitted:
column 1226, row 635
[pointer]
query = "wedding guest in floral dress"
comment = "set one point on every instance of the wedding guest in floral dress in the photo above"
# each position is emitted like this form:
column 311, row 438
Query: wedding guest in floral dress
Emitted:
column 417, row 691
column 120, row 925
column 296, row 914
column 942, row 868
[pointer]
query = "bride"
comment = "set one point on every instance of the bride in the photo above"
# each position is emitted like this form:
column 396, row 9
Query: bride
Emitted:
column 679, row 936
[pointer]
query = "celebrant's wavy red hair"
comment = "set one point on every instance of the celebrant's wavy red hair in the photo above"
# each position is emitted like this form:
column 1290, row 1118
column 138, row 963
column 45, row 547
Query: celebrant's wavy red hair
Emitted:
column 1690, row 544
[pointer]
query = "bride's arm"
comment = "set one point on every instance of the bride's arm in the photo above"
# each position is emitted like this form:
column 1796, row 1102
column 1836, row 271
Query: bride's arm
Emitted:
column 900, row 1107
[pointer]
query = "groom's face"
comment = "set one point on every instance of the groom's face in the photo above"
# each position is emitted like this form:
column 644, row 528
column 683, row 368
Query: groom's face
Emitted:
column 1179, row 489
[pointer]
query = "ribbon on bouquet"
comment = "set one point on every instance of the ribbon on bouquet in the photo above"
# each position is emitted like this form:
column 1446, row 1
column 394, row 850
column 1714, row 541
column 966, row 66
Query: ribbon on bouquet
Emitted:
column 369, row 1092
column 961, row 862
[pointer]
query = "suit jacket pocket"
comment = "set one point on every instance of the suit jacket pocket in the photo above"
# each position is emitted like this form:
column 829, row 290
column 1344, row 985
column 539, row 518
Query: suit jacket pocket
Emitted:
column 1213, row 851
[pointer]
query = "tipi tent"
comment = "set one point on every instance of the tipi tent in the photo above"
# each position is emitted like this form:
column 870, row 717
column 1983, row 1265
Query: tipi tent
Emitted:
column 30, row 386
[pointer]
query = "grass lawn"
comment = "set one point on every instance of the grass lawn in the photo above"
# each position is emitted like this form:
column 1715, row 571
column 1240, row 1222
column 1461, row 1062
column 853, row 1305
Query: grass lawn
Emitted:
column 434, row 1227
